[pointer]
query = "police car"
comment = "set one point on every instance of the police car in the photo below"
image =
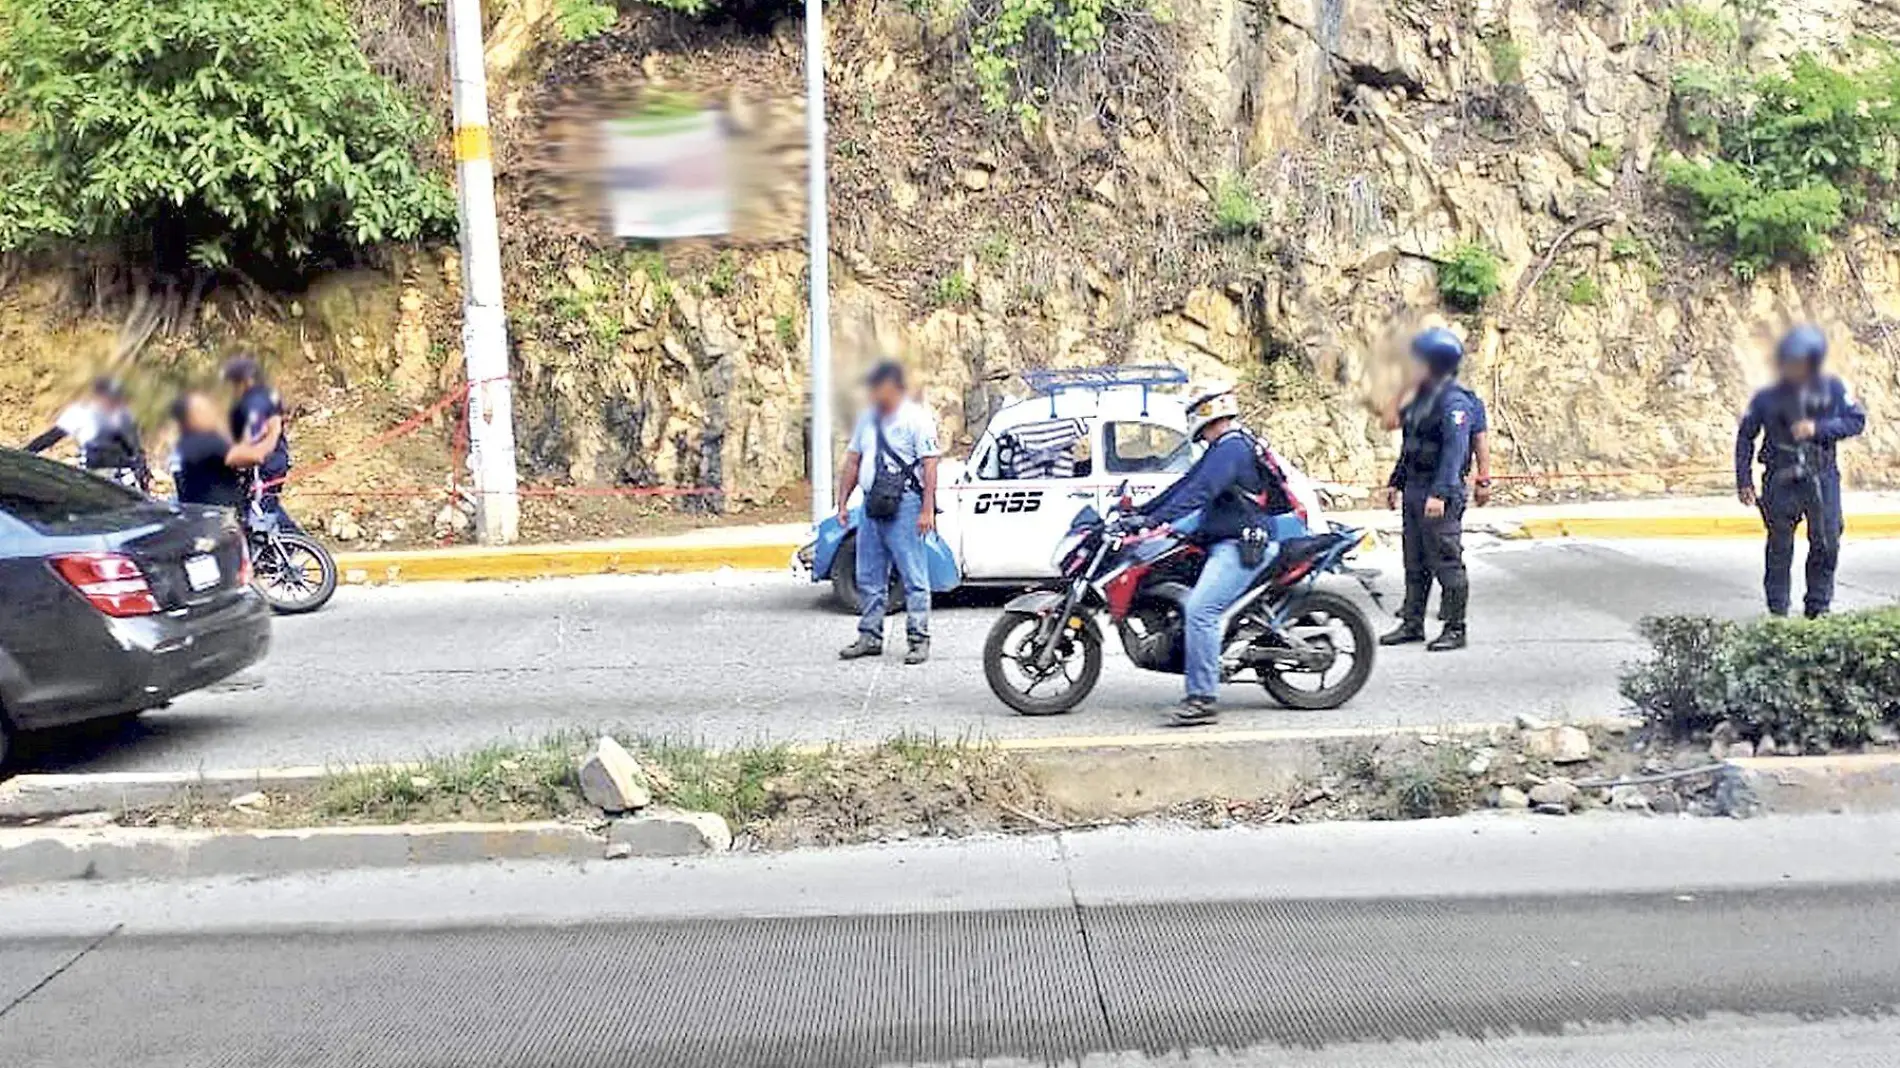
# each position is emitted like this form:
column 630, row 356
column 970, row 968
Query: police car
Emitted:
column 1072, row 444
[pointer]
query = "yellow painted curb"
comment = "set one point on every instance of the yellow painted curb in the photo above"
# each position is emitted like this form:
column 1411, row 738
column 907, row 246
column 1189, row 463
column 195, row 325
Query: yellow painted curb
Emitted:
column 514, row 563
column 1708, row 526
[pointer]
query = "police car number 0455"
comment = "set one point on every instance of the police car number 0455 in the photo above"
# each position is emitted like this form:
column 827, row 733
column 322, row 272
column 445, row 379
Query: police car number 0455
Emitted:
column 1008, row 502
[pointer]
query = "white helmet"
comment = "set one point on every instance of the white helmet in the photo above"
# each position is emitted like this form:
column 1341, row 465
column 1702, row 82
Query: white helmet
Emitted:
column 1210, row 403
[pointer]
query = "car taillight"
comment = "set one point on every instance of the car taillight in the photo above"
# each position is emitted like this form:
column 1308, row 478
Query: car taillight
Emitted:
column 113, row 583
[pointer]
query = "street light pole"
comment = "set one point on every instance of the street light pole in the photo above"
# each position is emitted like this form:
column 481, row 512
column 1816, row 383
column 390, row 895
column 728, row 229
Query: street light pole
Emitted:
column 491, row 422
column 819, row 248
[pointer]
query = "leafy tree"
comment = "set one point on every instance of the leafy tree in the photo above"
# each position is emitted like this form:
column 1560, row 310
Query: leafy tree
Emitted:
column 204, row 132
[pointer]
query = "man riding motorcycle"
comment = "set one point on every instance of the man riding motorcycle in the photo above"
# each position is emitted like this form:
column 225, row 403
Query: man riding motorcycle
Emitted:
column 1240, row 491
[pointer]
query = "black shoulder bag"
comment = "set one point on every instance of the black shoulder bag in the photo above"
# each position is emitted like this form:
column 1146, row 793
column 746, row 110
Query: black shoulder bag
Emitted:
column 887, row 487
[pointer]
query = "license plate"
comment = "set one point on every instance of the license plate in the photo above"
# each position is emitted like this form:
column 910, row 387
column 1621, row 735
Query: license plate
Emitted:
column 202, row 572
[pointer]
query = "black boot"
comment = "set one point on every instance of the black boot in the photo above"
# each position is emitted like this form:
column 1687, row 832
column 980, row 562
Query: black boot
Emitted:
column 866, row 645
column 1407, row 632
column 1193, row 712
column 1452, row 637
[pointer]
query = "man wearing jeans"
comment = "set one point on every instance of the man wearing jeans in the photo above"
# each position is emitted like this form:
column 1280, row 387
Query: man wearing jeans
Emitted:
column 894, row 445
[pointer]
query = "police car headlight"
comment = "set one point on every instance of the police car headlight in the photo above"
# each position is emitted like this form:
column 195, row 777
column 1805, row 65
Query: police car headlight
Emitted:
column 1066, row 551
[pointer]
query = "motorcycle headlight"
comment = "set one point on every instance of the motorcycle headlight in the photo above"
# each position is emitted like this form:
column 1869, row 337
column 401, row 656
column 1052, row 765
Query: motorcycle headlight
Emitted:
column 1065, row 549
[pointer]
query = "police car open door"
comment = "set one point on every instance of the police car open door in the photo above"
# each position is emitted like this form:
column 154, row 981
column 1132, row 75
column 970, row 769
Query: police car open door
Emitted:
column 1024, row 487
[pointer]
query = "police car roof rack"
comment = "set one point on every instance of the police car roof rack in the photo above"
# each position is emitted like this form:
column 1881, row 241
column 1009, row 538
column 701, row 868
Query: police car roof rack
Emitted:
column 1052, row 381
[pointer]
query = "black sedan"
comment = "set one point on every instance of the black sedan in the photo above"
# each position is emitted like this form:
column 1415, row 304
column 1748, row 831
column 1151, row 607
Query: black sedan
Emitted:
column 110, row 603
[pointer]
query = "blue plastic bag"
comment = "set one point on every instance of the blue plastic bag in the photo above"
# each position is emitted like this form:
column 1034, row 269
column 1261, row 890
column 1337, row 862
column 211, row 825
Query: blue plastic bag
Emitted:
column 942, row 564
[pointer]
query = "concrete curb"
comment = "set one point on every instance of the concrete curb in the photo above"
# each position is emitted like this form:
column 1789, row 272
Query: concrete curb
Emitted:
column 48, row 855
column 1743, row 525
column 1857, row 782
column 26, row 797
column 530, row 562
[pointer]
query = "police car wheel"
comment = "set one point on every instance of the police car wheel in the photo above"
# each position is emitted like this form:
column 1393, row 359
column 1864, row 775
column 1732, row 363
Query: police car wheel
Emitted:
column 844, row 582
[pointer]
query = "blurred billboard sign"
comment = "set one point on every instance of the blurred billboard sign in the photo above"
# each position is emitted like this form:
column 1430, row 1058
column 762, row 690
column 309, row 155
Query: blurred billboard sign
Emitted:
column 668, row 174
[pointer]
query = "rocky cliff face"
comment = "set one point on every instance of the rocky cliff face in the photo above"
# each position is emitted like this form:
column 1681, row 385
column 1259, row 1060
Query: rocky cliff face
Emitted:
column 1374, row 134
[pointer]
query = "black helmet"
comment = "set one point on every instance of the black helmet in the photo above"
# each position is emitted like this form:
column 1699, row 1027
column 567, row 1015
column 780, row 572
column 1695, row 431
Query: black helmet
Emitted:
column 1805, row 343
column 1440, row 350
column 242, row 369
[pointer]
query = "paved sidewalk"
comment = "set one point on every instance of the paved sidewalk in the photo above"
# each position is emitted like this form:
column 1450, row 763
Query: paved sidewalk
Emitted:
column 770, row 548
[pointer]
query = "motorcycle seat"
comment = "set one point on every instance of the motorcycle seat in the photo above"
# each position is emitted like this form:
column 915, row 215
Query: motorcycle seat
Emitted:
column 1299, row 550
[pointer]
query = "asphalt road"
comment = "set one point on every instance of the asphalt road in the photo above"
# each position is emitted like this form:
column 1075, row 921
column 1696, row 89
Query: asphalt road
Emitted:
column 432, row 668
column 1099, row 949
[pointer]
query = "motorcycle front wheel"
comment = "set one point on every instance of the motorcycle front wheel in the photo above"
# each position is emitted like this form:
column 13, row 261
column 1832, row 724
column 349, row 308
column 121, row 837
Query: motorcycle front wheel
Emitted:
column 1009, row 664
column 295, row 573
column 1328, row 619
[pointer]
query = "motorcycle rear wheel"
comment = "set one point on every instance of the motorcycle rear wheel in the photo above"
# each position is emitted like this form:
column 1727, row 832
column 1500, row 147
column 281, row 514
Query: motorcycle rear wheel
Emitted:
column 1321, row 607
column 1004, row 647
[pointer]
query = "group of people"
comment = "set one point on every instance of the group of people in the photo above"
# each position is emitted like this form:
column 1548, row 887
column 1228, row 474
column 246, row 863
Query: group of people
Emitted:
column 224, row 453
column 1798, row 422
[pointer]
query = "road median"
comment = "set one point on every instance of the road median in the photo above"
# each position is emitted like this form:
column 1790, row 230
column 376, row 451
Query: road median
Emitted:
column 573, row 798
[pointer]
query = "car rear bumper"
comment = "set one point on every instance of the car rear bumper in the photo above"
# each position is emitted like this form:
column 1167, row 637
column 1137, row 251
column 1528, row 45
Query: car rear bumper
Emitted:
column 165, row 656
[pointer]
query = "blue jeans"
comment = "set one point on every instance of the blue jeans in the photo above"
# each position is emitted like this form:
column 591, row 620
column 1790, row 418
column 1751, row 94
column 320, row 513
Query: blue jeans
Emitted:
column 1222, row 582
column 884, row 544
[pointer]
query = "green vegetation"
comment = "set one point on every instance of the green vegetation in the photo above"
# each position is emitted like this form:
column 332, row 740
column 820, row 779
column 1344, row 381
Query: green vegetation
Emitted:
column 1583, row 291
column 1778, row 162
column 1690, row 27
column 200, row 132
column 1469, row 275
column 996, row 250
column 1236, row 209
column 1814, row 683
column 955, row 290
column 1507, row 58
column 724, row 277
column 1604, row 159
column 1009, row 40
column 578, row 20
column 786, row 329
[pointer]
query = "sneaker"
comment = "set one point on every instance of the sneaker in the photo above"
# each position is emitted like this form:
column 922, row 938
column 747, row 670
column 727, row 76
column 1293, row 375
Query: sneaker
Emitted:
column 1193, row 712
column 1449, row 639
column 919, row 651
column 863, row 647
column 1406, row 634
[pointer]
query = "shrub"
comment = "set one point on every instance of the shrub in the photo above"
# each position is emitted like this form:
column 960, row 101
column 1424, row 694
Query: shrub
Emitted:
column 1469, row 275
column 1815, row 683
column 1781, row 161
column 578, row 20
column 955, row 289
column 1507, row 58
column 1016, row 46
column 1583, row 291
column 209, row 130
column 1236, row 210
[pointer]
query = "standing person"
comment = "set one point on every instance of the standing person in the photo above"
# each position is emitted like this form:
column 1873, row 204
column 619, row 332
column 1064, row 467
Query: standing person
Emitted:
column 106, row 433
column 1800, row 419
column 893, row 455
column 1239, row 489
column 257, row 419
column 207, row 468
column 1480, row 441
column 1428, row 483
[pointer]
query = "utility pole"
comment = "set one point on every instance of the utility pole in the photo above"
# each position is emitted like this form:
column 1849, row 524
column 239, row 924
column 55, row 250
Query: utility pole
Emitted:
column 491, row 409
column 819, row 248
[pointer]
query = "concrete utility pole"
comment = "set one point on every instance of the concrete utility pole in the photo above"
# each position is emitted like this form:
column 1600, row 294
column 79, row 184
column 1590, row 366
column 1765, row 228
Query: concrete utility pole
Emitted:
column 819, row 242
column 491, row 416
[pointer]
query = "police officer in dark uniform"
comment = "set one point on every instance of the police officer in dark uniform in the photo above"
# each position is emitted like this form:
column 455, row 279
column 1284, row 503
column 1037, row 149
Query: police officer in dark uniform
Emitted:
column 257, row 419
column 1798, row 420
column 1429, row 484
column 107, row 435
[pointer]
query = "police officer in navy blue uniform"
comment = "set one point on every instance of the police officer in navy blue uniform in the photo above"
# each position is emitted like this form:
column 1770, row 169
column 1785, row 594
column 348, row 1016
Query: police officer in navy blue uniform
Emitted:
column 1799, row 421
column 1429, row 485
column 257, row 419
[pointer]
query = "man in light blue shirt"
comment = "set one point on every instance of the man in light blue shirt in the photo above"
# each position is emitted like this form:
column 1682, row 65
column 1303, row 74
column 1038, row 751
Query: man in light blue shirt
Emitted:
column 893, row 457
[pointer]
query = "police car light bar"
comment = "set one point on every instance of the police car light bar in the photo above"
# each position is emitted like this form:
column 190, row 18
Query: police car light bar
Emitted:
column 1054, row 380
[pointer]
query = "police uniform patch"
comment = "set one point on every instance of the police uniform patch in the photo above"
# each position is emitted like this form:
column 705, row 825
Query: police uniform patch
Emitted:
column 1458, row 418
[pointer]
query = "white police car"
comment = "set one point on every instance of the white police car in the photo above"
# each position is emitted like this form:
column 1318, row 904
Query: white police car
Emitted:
column 1072, row 444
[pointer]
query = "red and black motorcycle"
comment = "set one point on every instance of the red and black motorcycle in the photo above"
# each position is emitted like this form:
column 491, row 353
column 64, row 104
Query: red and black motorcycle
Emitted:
column 1311, row 648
